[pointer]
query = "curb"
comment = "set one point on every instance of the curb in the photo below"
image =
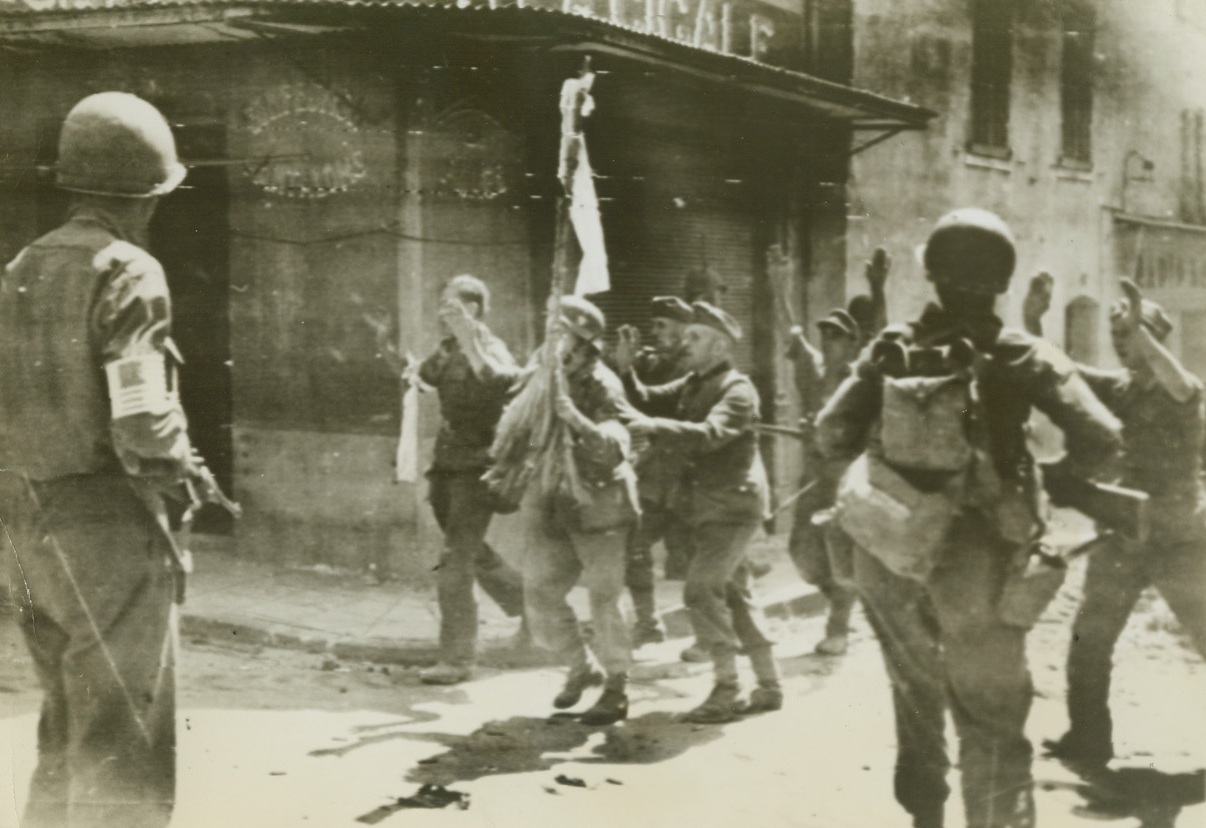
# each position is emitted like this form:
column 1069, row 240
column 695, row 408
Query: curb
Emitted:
column 797, row 601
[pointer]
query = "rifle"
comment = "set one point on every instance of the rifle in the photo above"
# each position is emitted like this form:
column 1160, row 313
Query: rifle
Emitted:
column 1118, row 508
column 781, row 431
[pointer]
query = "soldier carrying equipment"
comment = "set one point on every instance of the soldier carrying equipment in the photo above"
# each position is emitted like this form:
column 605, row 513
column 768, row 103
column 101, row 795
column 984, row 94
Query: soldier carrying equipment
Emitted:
column 949, row 529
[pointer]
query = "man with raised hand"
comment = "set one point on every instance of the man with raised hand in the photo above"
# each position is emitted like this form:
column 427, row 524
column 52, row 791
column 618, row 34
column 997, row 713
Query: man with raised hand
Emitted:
column 472, row 371
column 661, row 363
column 722, row 497
column 1160, row 405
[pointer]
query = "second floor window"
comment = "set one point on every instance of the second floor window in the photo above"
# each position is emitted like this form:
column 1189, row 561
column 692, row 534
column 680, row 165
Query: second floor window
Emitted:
column 1076, row 85
column 991, row 71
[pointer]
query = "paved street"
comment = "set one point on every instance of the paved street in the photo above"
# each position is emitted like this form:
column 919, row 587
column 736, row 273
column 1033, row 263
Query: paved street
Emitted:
column 272, row 737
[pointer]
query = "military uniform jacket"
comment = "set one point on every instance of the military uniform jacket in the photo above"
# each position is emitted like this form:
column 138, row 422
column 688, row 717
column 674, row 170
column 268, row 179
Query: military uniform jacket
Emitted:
column 712, row 445
column 1162, row 449
column 656, row 468
column 470, row 406
column 1022, row 372
column 71, row 302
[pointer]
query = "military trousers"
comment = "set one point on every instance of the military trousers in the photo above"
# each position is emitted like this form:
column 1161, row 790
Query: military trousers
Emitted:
column 717, row 592
column 463, row 508
column 657, row 523
column 92, row 578
column 945, row 648
column 556, row 559
column 1114, row 579
column 810, row 553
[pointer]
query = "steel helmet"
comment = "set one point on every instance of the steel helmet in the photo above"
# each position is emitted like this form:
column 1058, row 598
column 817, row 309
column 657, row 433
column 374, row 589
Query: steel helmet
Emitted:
column 971, row 249
column 117, row 144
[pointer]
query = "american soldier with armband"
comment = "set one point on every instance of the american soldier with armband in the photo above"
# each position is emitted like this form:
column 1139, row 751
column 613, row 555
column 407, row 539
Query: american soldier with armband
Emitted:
column 940, row 499
column 91, row 434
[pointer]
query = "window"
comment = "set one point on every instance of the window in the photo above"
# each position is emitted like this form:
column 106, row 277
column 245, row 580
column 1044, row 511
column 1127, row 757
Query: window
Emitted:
column 992, row 66
column 1080, row 329
column 1076, row 85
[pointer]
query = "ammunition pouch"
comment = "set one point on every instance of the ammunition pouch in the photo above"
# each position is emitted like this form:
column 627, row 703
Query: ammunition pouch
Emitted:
column 923, row 422
column 900, row 525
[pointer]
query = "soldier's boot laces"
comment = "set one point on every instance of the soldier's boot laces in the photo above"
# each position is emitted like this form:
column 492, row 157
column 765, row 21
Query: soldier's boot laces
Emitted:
column 611, row 707
column 576, row 682
column 444, row 673
column 722, row 705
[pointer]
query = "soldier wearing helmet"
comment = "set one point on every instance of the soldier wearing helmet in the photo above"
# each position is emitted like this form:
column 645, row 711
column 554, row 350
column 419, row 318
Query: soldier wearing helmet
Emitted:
column 91, row 434
column 569, row 539
column 971, row 519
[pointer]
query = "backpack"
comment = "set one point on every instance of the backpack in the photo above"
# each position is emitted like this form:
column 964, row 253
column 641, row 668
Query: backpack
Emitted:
column 900, row 503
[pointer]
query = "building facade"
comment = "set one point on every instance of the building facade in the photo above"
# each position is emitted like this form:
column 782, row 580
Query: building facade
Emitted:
column 346, row 159
column 1079, row 121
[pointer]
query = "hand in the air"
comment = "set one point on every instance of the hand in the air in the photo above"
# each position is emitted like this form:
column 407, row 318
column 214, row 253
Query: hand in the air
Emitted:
column 877, row 269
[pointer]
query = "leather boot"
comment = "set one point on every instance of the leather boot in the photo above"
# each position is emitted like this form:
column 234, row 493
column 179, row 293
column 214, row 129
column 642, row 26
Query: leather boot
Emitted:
column 580, row 677
column 722, row 705
column 612, row 706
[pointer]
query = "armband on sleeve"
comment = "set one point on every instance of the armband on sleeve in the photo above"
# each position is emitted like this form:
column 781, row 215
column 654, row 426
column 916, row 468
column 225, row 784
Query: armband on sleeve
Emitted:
column 139, row 385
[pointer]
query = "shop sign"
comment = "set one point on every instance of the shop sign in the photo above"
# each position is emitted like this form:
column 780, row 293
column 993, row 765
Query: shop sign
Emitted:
column 754, row 29
column 737, row 27
column 308, row 141
column 1159, row 256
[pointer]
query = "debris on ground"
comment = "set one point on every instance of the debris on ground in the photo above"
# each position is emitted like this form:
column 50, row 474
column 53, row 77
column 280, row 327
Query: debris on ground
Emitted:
column 428, row 796
column 571, row 781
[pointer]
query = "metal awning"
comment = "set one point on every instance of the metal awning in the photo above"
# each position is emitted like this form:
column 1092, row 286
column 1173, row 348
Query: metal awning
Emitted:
column 116, row 24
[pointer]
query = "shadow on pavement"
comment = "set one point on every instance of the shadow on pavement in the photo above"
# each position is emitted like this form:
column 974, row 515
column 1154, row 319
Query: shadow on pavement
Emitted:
column 1152, row 796
column 523, row 744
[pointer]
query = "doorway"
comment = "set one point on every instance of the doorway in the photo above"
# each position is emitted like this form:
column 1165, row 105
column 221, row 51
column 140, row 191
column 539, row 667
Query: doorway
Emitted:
column 190, row 238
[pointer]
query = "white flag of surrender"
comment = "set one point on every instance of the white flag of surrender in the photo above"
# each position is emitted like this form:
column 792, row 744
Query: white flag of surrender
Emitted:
column 575, row 173
column 588, row 227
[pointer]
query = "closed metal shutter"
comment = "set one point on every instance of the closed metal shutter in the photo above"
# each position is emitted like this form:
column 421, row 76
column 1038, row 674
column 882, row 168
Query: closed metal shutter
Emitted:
column 668, row 209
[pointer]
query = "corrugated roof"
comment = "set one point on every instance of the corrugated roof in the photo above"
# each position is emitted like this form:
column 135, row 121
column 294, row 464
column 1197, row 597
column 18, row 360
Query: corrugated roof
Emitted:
column 22, row 21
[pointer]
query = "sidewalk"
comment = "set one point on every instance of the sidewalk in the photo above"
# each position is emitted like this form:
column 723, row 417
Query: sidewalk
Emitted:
column 349, row 616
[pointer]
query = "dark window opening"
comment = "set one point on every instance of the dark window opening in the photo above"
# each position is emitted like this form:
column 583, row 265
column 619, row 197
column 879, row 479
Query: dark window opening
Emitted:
column 1080, row 329
column 1076, row 85
column 991, row 71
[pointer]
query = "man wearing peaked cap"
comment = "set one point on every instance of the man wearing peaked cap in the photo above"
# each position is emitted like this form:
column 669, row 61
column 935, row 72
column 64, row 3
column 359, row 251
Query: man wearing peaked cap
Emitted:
column 654, row 365
column 819, row 371
column 710, row 316
column 840, row 321
column 670, row 307
column 722, row 497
